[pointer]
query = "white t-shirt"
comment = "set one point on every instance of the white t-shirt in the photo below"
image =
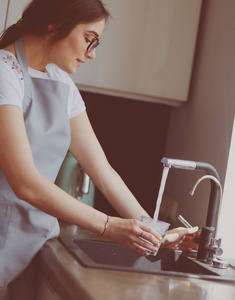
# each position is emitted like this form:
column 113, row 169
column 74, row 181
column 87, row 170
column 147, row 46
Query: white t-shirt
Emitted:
column 12, row 83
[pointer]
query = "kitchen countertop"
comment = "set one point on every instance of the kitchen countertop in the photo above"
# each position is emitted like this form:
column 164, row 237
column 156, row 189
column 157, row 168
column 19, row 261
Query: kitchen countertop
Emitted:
column 73, row 281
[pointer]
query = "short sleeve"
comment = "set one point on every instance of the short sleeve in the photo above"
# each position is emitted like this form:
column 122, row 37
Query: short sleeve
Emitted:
column 77, row 105
column 11, row 84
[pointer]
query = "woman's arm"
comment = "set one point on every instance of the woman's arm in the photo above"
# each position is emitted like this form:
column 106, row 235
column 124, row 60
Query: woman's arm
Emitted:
column 87, row 150
column 16, row 161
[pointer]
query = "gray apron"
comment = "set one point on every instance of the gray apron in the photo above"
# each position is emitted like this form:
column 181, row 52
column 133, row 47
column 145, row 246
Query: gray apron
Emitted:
column 23, row 228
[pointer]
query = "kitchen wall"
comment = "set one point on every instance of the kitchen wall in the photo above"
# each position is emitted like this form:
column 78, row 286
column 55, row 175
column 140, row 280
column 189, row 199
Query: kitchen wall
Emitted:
column 133, row 135
column 201, row 129
column 136, row 135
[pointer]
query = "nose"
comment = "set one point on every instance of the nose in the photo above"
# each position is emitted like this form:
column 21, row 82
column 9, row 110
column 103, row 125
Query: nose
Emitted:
column 91, row 55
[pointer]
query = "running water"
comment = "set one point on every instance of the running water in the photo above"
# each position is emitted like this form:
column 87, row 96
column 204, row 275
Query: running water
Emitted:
column 161, row 190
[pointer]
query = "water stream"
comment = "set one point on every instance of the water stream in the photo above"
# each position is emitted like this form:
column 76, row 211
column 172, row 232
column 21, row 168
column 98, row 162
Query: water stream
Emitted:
column 161, row 191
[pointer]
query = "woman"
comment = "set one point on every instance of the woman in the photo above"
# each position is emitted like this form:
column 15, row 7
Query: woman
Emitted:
column 42, row 115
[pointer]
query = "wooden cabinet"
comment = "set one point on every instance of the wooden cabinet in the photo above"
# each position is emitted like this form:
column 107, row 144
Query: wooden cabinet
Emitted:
column 15, row 10
column 146, row 51
column 45, row 291
column 3, row 10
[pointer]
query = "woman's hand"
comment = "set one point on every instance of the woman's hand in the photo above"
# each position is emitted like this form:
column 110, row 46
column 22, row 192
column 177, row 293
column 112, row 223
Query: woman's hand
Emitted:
column 130, row 232
column 181, row 239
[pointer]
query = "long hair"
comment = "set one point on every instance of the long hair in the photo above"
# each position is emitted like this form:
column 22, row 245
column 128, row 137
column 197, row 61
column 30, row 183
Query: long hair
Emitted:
column 64, row 15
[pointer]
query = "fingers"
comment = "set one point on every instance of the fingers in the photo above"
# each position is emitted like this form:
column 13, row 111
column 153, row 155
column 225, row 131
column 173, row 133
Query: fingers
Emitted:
column 182, row 231
column 138, row 229
column 178, row 236
column 186, row 246
column 193, row 230
column 148, row 241
column 138, row 249
column 186, row 242
column 134, row 234
column 143, row 246
column 151, row 233
column 143, row 236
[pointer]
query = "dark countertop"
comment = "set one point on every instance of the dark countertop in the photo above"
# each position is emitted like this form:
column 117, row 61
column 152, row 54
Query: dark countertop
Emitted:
column 72, row 281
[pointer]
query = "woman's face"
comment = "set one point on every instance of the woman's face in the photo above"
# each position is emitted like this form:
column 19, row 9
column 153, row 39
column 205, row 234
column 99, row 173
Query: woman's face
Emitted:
column 71, row 51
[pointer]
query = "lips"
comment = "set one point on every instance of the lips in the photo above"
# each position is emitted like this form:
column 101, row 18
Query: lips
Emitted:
column 80, row 61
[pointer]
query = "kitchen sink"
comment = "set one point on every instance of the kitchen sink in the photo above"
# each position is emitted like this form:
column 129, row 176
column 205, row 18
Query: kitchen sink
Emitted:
column 112, row 256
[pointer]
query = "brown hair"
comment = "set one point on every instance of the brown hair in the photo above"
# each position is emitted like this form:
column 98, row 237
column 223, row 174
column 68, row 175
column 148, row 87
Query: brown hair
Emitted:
column 64, row 15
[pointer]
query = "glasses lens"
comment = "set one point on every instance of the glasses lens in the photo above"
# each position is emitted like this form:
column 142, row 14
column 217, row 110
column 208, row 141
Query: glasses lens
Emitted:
column 93, row 45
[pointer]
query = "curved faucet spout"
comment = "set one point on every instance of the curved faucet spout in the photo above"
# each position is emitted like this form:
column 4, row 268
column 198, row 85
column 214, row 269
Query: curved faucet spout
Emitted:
column 214, row 204
column 207, row 177
column 208, row 232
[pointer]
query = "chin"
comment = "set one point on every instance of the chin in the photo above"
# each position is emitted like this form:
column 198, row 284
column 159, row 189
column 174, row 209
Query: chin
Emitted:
column 70, row 70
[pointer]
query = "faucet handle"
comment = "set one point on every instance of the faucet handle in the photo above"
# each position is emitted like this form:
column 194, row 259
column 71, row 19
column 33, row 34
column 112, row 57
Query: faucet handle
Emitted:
column 214, row 246
column 217, row 262
column 215, row 242
column 219, row 242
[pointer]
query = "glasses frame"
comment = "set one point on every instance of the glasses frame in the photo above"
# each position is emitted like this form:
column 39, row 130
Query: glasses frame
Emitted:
column 93, row 44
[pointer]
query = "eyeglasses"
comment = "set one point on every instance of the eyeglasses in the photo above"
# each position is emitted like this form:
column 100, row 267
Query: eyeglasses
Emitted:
column 93, row 44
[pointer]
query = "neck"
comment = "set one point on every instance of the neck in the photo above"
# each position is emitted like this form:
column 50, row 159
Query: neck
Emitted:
column 36, row 52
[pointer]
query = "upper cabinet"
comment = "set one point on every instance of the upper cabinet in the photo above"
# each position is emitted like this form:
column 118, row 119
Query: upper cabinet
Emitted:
column 15, row 10
column 3, row 10
column 146, row 51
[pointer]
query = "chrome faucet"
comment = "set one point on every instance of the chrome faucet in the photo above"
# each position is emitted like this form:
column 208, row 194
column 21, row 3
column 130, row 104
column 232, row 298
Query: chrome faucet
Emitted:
column 207, row 242
column 215, row 250
column 207, row 177
column 208, row 232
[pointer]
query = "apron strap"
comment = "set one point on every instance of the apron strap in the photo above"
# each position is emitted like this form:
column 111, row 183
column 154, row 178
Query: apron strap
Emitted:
column 48, row 74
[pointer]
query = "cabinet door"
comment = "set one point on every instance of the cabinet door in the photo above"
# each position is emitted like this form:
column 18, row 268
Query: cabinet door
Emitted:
column 44, row 289
column 3, row 10
column 146, row 51
column 15, row 10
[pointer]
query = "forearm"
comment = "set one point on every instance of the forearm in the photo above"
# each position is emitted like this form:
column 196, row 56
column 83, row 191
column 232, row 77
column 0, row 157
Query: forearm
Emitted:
column 117, row 193
column 49, row 198
column 88, row 151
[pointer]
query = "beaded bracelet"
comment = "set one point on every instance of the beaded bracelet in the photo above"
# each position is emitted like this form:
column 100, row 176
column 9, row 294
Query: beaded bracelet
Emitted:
column 105, row 226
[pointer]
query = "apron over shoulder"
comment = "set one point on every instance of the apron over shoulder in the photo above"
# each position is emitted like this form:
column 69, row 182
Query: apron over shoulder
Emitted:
column 23, row 228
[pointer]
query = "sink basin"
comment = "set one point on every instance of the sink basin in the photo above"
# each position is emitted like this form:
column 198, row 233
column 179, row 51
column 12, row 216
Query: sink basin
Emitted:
column 112, row 256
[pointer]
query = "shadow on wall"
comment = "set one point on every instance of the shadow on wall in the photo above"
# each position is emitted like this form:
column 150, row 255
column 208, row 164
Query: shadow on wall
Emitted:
column 133, row 136
column 201, row 129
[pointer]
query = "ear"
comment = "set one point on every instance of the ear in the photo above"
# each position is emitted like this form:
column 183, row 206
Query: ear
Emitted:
column 50, row 28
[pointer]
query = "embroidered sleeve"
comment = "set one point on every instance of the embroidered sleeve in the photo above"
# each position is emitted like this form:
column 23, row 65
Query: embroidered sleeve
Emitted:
column 13, row 63
column 11, row 82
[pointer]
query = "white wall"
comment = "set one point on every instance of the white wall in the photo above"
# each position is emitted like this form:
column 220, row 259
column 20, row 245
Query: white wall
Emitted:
column 201, row 129
column 226, row 224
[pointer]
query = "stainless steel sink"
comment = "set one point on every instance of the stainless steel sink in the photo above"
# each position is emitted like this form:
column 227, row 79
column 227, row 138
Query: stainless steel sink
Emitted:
column 112, row 256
